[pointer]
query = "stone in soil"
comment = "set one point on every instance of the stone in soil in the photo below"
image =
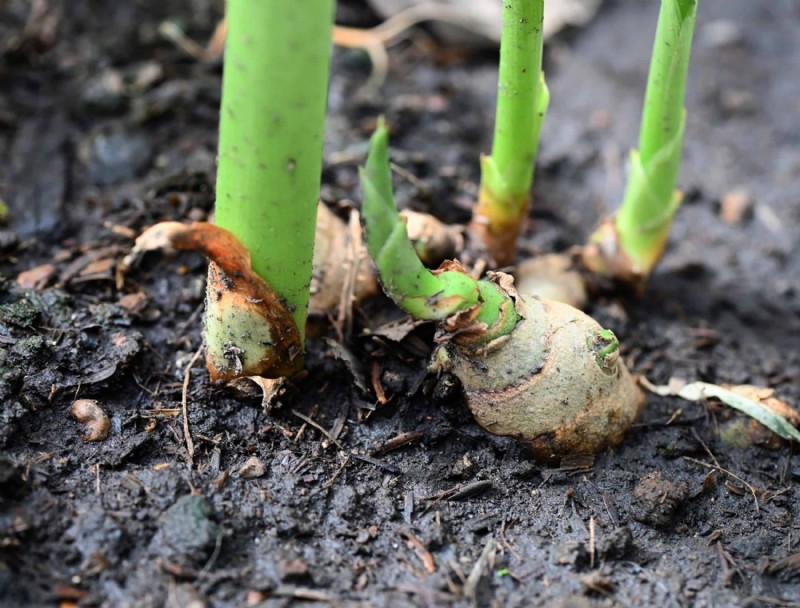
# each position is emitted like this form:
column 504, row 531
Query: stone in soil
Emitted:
column 186, row 533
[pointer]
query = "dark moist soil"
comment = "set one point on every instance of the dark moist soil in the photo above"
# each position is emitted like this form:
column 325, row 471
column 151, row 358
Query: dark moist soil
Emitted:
column 105, row 128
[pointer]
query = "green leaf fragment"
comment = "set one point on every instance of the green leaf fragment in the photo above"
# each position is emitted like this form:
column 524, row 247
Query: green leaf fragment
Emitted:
column 699, row 391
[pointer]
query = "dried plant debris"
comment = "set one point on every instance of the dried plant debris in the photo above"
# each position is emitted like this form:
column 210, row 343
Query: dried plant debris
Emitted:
column 757, row 402
column 477, row 22
column 342, row 274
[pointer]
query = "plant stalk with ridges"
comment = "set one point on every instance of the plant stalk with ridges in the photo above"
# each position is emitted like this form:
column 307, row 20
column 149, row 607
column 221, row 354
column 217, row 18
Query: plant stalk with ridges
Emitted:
column 277, row 63
column 522, row 99
column 630, row 245
column 272, row 121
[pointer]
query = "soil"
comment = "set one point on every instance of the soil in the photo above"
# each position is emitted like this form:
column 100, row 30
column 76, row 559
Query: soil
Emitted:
column 105, row 128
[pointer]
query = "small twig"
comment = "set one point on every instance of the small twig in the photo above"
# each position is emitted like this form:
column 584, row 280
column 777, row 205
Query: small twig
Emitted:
column 214, row 555
column 459, row 492
column 338, row 472
column 187, row 436
column 408, row 176
column 611, row 509
column 505, row 542
column 481, row 568
column 377, row 386
column 303, row 428
column 706, row 448
column 303, row 593
column 727, row 472
column 378, row 463
column 399, row 441
column 373, row 461
column 425, row 556
column 321, row 429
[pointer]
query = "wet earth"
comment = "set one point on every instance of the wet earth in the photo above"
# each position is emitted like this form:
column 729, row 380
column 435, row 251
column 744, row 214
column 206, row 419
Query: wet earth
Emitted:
column 332, row 496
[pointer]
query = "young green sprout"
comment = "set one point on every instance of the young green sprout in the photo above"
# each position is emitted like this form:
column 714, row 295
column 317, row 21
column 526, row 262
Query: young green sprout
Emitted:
column 522, row 99
column 628, row 246
column 536, row 370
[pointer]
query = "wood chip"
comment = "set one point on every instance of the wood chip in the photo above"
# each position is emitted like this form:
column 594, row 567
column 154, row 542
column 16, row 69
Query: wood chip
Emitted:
column 735, row 207
column 36, row 278
column 422, row 553
column 252, row 468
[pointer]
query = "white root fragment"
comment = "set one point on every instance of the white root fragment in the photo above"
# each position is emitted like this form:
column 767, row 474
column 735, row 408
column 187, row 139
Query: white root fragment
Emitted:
column 89, row 413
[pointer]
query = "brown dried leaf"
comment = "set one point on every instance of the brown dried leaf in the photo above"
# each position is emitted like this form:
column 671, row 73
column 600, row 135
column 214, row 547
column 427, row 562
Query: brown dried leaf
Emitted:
column 36, row 278
column 270, row 388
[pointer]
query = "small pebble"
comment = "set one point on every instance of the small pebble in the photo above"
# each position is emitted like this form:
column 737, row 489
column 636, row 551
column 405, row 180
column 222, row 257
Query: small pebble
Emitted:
column 252, row 468
column 735, row 207
column 89, row 412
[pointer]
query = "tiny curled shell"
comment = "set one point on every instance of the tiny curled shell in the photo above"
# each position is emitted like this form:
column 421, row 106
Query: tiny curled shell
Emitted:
column 89, row 413
column 545, row 385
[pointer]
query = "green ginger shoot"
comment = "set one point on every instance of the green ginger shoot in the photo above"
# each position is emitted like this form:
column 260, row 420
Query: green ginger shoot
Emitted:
column 424, row 294
column 522, row 100
column 631, row 246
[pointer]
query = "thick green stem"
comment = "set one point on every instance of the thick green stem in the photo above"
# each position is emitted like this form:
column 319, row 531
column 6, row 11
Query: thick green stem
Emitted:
column 277, row 62
column 650, row 202
column 421, row 293
column 519, row 97
column 522, row 99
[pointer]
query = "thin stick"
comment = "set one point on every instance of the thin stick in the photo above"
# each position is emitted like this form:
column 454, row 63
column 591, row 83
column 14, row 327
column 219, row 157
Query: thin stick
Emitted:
column 727, row 472
column 187, row 436
column 373, row 461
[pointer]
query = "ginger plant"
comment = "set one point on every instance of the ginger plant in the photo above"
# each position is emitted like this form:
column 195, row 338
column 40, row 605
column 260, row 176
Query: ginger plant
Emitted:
column 275, row 79
column 522, row 99
column 628, row 245
column 537, row 370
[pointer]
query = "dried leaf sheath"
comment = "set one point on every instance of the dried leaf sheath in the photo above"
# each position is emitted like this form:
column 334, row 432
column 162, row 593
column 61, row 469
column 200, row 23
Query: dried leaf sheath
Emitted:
column 249, row 329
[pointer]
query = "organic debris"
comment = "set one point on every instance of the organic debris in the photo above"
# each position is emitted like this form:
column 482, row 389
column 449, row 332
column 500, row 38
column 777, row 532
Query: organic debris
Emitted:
column 89, row 412
column 755, row 401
